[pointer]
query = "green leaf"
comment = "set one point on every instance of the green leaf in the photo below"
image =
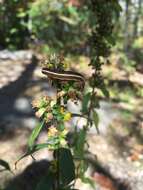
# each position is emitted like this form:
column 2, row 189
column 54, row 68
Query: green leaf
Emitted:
column 67, row 20
column 105, row 91
column 117, row 6
column 41, row 111
column 79, row 144
column 47, row 182
column 30, row 151
column 5, row 165
column 111, row 40
column 21, row 14
column 72, row 11
column 96, row 120
column 88, row 181
column 13, row 30
column 61, row 127
column 41, row 146
column 86, row 99
column 66, row 165
column 83, row 168
column 35, row 134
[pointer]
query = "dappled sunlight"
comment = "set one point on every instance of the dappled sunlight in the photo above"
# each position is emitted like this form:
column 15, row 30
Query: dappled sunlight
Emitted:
column 85, row 101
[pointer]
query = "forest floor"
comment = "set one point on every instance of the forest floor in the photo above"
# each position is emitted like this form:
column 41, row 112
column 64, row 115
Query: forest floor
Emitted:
column 118, row 148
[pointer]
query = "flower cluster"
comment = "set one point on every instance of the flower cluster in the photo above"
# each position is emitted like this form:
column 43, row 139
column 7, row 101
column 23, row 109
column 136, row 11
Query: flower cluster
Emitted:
column 54, row 115
column 44, row 106
column 57, row 138
column 54, row 62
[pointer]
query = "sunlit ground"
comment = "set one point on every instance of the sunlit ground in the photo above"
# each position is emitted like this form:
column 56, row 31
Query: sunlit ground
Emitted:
column 120, row 124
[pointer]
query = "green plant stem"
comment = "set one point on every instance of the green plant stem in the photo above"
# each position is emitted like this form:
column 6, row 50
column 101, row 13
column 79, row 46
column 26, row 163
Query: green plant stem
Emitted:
column 90, row 107
column 58, row 169
column 56, row 185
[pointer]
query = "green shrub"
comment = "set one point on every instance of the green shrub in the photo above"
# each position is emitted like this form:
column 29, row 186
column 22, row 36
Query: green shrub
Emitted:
column 57, row 24
column 14, row 24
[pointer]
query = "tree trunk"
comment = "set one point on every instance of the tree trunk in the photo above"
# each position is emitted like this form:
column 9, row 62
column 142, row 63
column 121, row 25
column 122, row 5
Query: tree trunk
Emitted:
column 136, row 19
column 126, row 27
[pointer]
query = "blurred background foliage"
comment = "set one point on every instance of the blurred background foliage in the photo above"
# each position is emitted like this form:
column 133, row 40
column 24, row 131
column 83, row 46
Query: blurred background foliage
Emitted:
column 65, row 25
column 50, row 24
column 47, row 26
column 62, row 24
column 14, row 24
